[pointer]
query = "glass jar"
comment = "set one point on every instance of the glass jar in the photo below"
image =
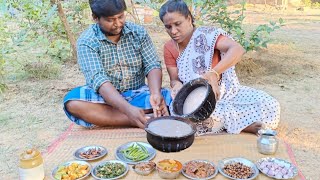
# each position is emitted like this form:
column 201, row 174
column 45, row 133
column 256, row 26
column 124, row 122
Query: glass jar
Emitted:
column 267, row 142
column 31, row 165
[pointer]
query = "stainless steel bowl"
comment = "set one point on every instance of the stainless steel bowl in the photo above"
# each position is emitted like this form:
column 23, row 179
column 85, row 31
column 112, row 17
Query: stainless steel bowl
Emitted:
column 77, row 153
column 94, row 170
column 168, row 174
column 244, row 161
column 204, row 161
column 147, row 171
column 55, row 170
column 279, row 162
column 119, row 155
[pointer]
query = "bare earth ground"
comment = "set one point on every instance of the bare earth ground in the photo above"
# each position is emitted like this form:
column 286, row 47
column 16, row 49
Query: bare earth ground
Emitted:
column 31, row 111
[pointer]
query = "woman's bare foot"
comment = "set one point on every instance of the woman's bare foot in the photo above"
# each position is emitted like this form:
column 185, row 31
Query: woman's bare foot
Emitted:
column 253, row 128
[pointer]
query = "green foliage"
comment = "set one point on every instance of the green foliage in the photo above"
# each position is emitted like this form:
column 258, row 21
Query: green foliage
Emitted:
column 3, row 86
column 307, row 3
column 59, row 50
column 210, row 12
column 32, row 33
column 216, row 11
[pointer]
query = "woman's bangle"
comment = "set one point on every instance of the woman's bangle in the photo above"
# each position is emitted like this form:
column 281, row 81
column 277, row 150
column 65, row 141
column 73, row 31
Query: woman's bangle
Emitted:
column 214, row 71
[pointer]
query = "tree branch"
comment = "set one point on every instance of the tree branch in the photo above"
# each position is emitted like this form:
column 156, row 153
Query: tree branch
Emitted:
column 67, row 28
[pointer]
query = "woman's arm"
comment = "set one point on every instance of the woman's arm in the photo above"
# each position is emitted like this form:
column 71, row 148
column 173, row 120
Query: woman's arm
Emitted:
column 233, row 53
column 173, row 74
column 175, row 82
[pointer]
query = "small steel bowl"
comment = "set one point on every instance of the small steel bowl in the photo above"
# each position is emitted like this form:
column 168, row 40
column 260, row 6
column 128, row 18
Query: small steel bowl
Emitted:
column 150, row 166
column 169, row 174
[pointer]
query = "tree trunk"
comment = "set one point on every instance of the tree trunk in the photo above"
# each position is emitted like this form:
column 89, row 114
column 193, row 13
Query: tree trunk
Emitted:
column 67, row 28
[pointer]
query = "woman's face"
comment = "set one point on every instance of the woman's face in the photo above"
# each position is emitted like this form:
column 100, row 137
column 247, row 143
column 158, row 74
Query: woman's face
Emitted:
column 178, row 26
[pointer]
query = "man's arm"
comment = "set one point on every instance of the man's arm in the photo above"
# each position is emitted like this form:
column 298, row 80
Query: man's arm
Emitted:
column 154, row 81
column 156, row 99
column 152, row 65
column 113, row 97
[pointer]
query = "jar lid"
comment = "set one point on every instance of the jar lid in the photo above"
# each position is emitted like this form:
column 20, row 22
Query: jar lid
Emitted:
column 29, row 154
column 267, row 132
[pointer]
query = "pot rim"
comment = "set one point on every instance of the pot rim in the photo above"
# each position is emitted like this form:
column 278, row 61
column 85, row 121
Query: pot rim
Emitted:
column 198, row 82
column 193, row 127
column 201, row 82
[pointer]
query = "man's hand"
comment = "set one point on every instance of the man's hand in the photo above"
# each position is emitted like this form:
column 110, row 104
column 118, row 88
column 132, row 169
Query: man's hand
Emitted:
column 158, row 105
column 213, row 81
column 136, row 116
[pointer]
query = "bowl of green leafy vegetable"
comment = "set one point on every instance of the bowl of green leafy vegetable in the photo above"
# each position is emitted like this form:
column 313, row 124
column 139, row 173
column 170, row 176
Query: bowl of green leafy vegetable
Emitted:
column 111, row 169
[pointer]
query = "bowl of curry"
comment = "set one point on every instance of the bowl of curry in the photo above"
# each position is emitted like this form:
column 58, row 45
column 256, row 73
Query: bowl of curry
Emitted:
column 169, row 168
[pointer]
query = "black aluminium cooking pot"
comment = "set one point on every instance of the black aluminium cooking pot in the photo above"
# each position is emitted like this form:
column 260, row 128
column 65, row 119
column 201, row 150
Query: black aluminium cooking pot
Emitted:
column 204, row 110
column 170, row 144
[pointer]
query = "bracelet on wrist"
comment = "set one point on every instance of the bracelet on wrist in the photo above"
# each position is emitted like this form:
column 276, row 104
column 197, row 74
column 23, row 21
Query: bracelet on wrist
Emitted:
column 215, row 72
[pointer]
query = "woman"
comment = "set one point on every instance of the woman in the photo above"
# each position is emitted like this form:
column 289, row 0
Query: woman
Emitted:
column 211, row 53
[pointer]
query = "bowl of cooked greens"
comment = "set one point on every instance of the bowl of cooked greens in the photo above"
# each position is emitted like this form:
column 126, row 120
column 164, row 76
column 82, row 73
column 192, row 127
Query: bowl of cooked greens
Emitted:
column 111, row 169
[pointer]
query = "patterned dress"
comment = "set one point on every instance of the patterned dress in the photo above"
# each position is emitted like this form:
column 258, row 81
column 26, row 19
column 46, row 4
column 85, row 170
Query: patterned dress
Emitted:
column 239, row 106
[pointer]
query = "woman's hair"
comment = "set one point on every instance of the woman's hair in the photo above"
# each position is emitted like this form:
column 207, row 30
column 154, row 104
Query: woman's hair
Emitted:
column 175, row 6
column 106, row 8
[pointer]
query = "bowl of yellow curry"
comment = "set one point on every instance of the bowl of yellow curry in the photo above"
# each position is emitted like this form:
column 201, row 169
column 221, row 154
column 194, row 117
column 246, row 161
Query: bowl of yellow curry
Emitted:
column 169, row 168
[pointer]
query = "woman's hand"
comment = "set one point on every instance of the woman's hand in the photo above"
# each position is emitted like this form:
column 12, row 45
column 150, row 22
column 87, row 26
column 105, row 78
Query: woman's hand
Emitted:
column 158, row 105
column 176, row 87
column 213, row 80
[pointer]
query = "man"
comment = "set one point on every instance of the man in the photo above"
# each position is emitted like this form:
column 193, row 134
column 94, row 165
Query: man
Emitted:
column 115, row 56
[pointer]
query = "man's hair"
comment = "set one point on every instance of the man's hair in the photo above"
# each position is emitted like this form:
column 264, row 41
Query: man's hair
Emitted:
column 106, row 8
column 175, row 6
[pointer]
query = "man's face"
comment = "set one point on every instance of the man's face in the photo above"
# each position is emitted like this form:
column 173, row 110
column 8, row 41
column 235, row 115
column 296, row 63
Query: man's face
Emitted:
column 112, row 25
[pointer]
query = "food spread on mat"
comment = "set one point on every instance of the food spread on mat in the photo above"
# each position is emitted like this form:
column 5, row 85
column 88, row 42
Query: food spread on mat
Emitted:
column 170, row 128
column 234, row 168
column 135, row 152
column 110, row 170
column 91, row 153
column 72, row 171
column 199, row 169
column 238, row 170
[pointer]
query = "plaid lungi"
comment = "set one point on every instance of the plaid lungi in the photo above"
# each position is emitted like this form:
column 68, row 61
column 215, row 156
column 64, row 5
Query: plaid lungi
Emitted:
column 139, row 98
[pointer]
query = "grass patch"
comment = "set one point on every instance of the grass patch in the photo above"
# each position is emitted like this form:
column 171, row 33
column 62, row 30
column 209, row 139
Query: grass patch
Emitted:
column 42, row 70
column 4, row 118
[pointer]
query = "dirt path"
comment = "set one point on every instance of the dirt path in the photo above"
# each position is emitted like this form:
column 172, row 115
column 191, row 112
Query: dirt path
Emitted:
column 31, row 111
